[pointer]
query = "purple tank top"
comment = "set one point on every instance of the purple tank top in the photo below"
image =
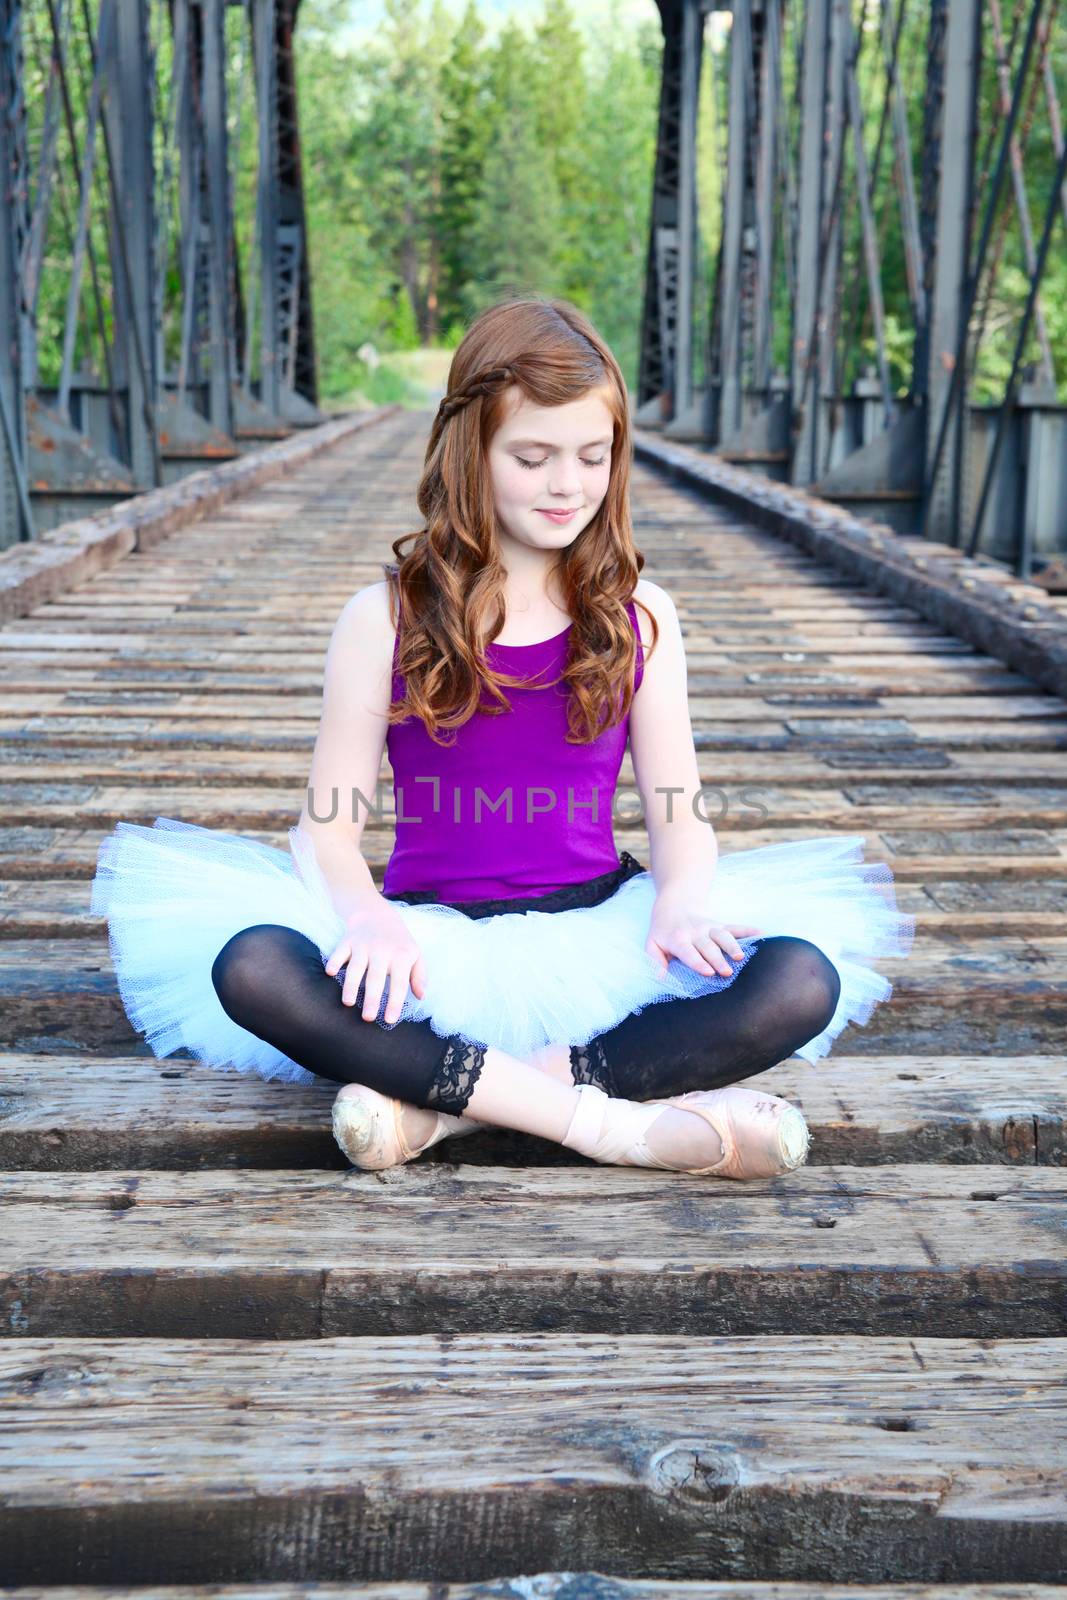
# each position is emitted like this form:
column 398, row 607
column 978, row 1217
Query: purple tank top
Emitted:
column 511, row 809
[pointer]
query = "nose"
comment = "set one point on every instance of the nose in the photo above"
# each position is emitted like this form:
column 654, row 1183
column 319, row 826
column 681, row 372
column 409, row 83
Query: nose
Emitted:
column 564, row 478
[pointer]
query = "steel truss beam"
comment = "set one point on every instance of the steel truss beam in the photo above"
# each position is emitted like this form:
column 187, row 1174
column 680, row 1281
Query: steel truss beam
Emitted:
column 14, row 494
column 163, row 317
column 665, row 369
column 820, row 159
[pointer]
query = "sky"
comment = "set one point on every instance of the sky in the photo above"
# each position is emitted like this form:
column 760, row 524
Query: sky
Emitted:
column 590, row 14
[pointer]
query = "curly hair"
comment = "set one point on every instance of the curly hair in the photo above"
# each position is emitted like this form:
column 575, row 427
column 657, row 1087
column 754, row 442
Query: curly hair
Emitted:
column 447, row 591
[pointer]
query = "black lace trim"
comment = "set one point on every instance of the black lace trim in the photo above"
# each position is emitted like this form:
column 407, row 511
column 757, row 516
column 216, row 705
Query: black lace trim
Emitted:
column 455, row 1076
column 573, row 895
column 589, row 1064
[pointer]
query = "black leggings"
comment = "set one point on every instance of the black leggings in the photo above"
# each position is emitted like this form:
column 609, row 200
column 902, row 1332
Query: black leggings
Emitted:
column 273, row 981
column 784, row 995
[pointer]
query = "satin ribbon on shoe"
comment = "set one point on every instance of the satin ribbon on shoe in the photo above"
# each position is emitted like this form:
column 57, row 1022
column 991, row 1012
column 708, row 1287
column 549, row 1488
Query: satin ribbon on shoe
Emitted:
column 622, row 1142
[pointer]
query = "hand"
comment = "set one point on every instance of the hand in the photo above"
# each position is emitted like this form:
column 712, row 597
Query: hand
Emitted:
column 377, row 942
column 687, row 933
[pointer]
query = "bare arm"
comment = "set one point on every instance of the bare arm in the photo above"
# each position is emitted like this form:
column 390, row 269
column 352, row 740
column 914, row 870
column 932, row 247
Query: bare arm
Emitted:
column 342, row 788
column 683, row 849
column 348, row 747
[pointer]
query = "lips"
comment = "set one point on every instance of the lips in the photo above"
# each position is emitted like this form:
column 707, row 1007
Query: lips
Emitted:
column 560, row 516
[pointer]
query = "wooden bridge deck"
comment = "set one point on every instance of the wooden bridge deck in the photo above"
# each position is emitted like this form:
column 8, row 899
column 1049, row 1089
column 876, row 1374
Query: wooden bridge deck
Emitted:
column 228, row 1358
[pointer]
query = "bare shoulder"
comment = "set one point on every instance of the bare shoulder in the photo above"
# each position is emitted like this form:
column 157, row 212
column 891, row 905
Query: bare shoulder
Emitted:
column 365, row 619
column 369, row 609
column 659, row 603
column 363, row 634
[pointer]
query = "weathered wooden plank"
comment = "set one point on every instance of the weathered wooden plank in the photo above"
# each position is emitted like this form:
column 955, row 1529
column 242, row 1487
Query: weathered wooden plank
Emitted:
column 753, row 620
column 813, row 612
column 57, row 559
column 567, row 1585
column 120, row 715
column 34, row 685
column 1028, row 853
column 890, row 762
column 956, row 997
column 463, row 1455
column 241, row 637
column 50, row 740
column 59, row 908
column 69, row 1112
column 895, row 651
column 909, row 846
column 1013, row 621
column 904, row 1249
column 842, row 804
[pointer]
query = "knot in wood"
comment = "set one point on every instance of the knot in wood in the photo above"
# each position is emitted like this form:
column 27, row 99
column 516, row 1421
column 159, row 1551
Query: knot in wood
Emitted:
column 695, row 1471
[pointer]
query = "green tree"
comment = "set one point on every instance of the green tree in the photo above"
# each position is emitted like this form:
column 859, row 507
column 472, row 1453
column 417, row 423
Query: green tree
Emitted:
column 515, row 229
column 444, row 169
column 464, row 102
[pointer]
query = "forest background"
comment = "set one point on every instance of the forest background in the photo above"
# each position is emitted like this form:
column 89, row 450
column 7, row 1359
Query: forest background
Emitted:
column 455, row 151
column 453, row 156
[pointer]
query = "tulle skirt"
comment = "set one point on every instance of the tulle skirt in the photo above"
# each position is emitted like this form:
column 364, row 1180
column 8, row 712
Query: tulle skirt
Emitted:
column 174, row 893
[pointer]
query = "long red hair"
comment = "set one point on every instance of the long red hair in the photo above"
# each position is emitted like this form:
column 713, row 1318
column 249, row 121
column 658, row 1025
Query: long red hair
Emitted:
column 447, row 591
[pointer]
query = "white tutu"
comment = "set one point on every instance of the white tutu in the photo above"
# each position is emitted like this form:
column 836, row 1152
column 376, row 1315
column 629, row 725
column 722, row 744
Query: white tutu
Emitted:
column 174, row 893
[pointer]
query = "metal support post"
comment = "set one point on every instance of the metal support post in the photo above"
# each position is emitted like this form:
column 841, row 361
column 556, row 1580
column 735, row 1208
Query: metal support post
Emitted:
column 219, row 222
column 737, row 168
column 656, row 381
column 264, row 16
column 811, row 202
column 16, row 521
column 952, row 71
column 128, row 133
column 767, row 135
column 692, row 38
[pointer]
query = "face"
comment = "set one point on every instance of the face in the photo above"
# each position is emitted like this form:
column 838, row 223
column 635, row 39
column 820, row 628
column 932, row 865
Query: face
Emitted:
column 546, row 459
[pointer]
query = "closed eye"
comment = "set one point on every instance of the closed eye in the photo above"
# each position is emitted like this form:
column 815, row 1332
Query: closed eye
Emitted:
column 533, row 464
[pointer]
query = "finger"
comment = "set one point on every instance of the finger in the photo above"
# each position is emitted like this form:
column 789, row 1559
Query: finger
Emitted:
column 695, row 957
column 338, row 958
column 658, row 953
column 418, row 979
column 742, row 930
column 707, row 948
column 398, row 988
column 724, row 938
column 357, row 966
column 372, row 999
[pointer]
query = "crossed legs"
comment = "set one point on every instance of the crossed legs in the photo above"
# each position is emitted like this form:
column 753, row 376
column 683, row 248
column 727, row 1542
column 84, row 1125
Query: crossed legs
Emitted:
column 272, row 981
column 784, row 995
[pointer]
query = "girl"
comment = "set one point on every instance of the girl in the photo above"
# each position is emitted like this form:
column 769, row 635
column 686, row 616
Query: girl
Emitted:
column 514, row 970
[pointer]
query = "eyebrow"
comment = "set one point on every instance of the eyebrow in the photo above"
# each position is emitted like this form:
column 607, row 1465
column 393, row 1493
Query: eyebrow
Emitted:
column 541, row 444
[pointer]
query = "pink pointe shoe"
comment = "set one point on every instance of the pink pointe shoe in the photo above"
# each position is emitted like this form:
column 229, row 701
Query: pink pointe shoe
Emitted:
column 762, row 1135
column 367, row 1126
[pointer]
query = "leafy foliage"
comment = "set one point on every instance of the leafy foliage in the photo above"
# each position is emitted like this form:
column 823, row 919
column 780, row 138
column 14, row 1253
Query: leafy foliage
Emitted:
column 443, row 169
